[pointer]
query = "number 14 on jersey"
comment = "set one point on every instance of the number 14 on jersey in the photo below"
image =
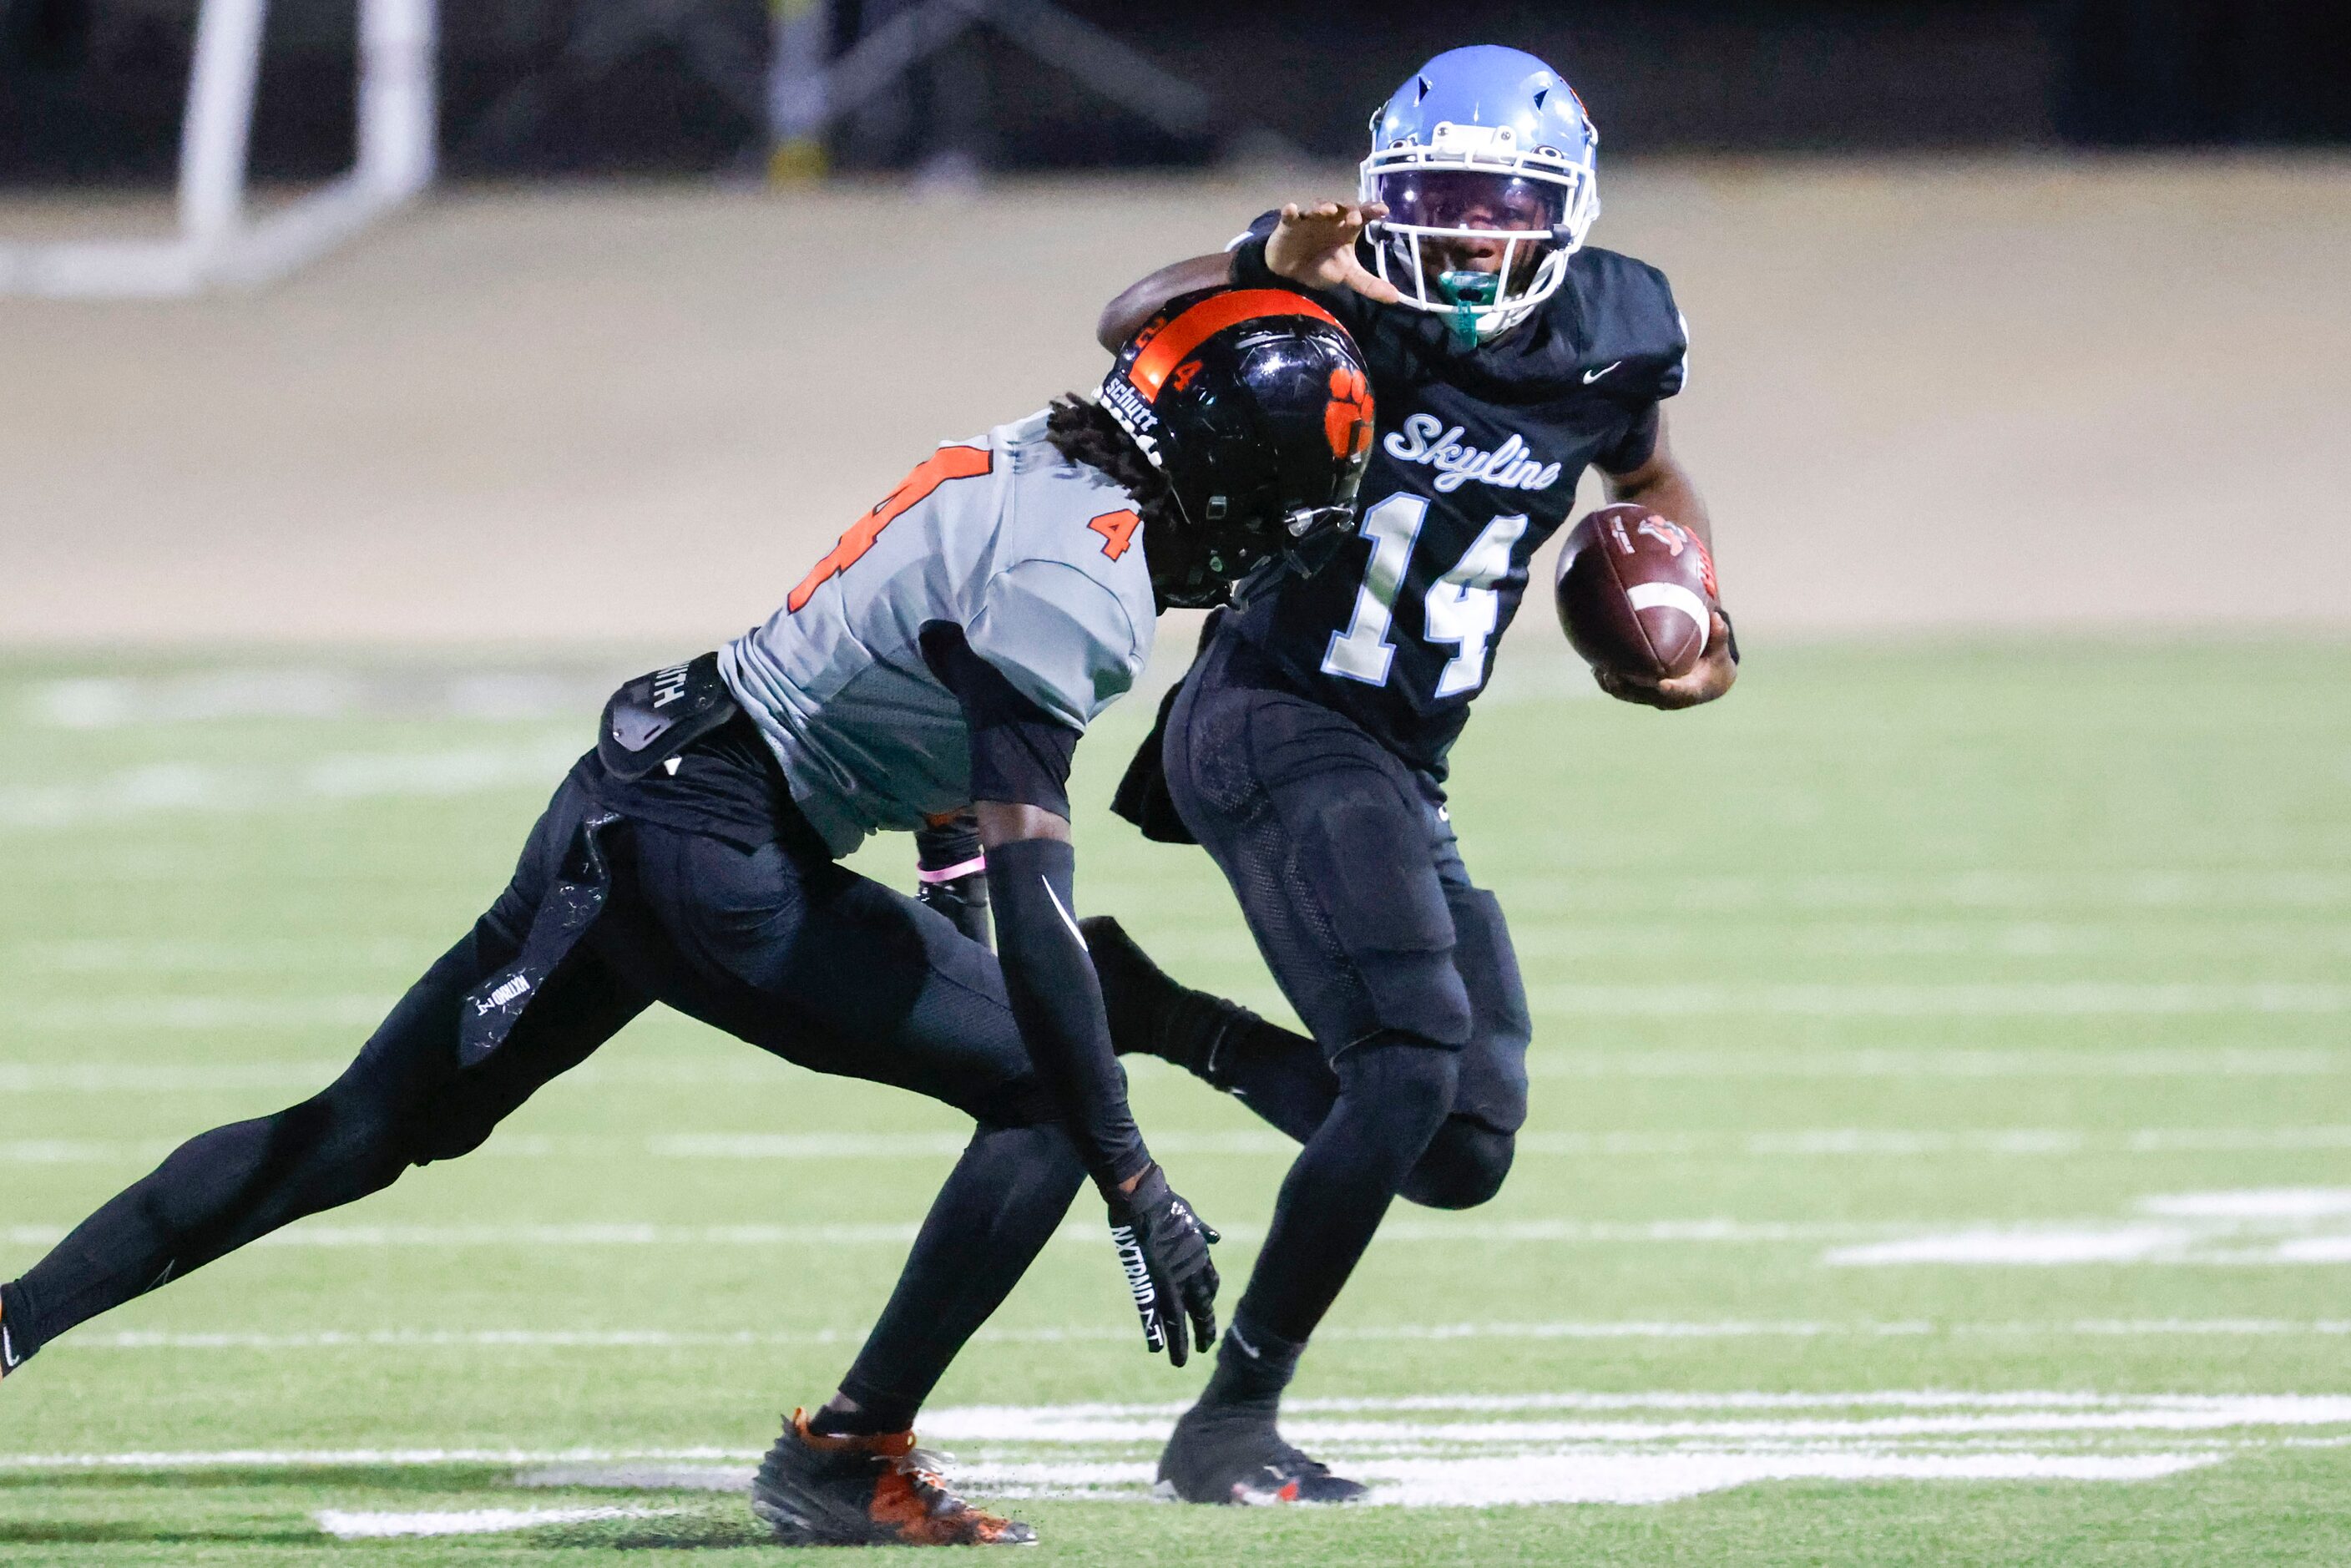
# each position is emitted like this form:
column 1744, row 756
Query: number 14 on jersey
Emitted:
column 1460, row 608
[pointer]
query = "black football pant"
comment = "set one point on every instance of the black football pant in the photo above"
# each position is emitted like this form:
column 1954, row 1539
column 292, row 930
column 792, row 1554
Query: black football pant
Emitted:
column 1345, row 864
column 781, row 947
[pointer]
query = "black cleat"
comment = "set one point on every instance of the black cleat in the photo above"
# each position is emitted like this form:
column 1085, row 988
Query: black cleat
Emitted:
column 881, row 1490
column 1231, row 1456
column 1152, row 1015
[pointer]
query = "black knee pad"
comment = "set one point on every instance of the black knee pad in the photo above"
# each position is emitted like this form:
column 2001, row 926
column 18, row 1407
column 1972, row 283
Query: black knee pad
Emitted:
column 1402, row 1085
column 1466, row 1165
column 1494, row 1065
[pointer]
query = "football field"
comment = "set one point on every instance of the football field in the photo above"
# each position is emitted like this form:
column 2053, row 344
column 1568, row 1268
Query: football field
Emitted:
column 1940, row 1149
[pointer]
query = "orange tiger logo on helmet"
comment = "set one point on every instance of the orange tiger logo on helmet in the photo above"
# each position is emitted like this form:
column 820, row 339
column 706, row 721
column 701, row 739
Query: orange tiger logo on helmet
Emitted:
column 1347, row 420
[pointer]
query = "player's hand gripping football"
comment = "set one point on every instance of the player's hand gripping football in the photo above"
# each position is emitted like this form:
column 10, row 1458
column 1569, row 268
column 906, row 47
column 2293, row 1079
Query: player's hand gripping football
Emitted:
column 1316, row 246
column 1163, row 1247
column 1708, row 680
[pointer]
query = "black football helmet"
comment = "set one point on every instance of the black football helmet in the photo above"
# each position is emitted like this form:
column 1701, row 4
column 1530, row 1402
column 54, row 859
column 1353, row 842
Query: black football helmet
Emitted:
column 1255, row 405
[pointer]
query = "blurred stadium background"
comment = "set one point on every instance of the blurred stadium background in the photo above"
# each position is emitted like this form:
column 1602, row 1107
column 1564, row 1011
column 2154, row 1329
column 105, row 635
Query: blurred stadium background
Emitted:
column 2001, row 917
column 2023, row 313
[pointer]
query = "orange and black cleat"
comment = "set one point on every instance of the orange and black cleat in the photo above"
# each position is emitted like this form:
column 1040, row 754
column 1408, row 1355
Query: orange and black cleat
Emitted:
column 881, row 1491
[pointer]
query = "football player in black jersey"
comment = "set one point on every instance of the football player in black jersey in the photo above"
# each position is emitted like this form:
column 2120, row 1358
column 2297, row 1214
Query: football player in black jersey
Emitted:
column 1306, row 749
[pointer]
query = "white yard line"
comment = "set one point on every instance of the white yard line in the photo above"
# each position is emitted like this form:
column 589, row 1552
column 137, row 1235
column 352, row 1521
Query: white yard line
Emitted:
column 140, row 1078
column 1801, row 1144
column 1110, row 1335
column 77, row 1152
column 1817, row 1143
column 1455, row 1449
column 2252, row 1061
column 754, row 1070
column 1563, row 1232
column 1006, row 1423
column 1638, row 1479
column 356, row 1458
column 2282, row 1203
column 2252, row 1227
column 1552, row 938
column 2056, row 999
column 2278, row 1225
column 192, row 956
column 311, row 693
column 1988, row 936
column 905, row 1145
column 2149, row 888
column 2003, row 1418
column 362, row 1526
column 1628, row 1479
column 117, row 1014
column 1982, row 999
column 1987, row 1413
column 159, row 788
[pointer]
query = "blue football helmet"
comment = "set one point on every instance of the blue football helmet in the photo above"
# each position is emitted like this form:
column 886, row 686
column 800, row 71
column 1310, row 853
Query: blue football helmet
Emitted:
column 1482, row 144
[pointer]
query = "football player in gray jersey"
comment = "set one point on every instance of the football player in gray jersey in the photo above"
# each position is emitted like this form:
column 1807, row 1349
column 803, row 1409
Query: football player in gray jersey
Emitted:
column 943, row 659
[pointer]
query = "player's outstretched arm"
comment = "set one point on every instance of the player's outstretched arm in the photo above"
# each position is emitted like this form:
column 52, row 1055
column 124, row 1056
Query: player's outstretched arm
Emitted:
column 1663, row 485
column 1057, row 1000
column 1313, row 246
column 1124, row 317
column 1020, row 757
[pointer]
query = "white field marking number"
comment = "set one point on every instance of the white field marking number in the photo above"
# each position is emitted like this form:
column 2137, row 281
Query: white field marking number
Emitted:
column 1461, row 607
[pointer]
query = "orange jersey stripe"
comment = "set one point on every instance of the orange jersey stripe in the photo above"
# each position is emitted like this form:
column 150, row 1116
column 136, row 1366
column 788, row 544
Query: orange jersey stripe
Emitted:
column 1205, row 321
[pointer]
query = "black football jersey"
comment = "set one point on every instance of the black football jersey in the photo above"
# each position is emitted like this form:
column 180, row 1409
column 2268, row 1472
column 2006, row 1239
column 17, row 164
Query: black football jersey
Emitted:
column 1474, row 465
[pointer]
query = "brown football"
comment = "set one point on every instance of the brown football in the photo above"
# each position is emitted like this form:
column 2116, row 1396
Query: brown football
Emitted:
column 1637, row 592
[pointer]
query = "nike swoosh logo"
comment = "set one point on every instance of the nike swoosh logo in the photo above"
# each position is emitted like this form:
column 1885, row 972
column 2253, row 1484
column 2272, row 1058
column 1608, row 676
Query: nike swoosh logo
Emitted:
column 1591, row 376
column 1249, row 1350
column 1067, row 918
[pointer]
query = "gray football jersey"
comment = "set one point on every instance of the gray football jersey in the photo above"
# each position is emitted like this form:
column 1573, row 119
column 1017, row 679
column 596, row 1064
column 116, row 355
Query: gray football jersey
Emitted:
column 1038, row 559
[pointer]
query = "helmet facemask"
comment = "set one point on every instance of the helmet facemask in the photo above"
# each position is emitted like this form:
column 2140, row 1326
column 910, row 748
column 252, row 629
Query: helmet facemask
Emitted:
column 1476, row 185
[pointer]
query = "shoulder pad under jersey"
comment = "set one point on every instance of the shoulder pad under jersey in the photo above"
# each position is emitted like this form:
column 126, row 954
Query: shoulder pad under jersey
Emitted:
column 1629, row 317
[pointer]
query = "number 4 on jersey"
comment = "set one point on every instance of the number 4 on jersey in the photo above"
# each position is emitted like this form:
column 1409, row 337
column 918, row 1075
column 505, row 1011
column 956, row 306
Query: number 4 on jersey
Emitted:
column 1117, row 529
column 1460, row 608
column 948, row 463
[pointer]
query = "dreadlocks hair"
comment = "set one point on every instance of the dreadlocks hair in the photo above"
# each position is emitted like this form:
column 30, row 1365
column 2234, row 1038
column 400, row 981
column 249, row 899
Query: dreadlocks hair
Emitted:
column 1083, row 432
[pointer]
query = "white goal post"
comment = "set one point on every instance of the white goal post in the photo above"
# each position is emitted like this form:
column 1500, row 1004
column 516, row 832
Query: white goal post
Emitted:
column 222, row 242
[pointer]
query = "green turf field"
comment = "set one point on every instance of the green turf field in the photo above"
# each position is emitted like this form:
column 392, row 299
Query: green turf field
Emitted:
column 1941, row 1150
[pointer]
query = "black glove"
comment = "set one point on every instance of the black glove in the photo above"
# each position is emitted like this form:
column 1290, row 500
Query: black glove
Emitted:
column 962, row 899
column 954, row 874
column 1163, row 1247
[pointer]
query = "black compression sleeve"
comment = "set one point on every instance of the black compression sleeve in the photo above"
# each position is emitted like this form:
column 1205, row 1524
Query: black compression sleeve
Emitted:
column 1249, row 270
column 1057, row 1002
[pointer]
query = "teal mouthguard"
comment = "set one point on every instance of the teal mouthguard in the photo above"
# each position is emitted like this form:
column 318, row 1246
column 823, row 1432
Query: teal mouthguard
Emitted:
column 1468, row 292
